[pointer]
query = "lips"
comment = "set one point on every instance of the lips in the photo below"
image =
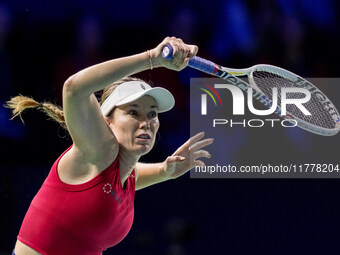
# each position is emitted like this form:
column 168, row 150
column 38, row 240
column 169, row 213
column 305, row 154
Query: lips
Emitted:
column 144, row 136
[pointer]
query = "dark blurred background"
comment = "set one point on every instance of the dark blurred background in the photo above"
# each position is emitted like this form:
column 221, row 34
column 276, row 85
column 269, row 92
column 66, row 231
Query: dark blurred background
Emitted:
column 43, row 42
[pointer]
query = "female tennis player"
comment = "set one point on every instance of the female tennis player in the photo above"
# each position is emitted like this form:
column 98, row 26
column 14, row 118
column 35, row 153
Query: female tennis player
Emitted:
column 86, row 203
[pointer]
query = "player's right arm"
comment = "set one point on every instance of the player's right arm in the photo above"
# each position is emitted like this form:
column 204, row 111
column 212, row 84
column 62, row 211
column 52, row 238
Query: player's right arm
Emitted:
column 89, row 131
column 85, row 123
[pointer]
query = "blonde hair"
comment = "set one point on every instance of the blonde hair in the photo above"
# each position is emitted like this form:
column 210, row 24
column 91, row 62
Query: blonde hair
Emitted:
column 20, row 103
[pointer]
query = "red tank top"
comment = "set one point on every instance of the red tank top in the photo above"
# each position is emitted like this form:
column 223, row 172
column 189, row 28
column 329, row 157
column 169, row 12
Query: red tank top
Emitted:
column 79, row 219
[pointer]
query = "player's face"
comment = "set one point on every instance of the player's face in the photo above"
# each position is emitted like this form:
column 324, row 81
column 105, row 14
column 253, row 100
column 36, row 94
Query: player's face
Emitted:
column 135, row 125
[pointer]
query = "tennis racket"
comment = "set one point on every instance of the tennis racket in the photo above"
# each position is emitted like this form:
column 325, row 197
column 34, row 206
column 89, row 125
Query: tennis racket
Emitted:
column 324, row 118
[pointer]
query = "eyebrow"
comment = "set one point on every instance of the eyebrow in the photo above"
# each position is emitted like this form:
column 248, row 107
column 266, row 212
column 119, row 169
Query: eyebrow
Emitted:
column 136, row 105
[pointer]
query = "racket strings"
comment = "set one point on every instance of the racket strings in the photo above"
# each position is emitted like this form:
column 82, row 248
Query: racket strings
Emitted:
column 266, row 80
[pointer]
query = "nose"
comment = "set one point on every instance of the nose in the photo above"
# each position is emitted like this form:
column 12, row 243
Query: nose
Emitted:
column 145, row 124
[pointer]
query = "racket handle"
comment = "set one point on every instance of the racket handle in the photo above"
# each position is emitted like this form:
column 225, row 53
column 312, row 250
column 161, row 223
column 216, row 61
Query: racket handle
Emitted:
column 196, row 62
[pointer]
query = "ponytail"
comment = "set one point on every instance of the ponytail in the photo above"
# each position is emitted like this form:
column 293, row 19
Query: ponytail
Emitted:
column 20, row 103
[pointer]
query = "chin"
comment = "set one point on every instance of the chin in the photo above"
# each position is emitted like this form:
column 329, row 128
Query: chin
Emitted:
column 144, row 149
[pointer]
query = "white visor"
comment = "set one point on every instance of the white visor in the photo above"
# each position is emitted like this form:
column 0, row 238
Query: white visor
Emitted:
column 130, row 91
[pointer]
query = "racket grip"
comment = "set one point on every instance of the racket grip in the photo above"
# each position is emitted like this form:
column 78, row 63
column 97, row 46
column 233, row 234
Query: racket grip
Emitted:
column 196, row 62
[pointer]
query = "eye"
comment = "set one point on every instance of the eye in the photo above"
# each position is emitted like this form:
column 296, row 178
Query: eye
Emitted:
column 152, row 114
column 133, row 113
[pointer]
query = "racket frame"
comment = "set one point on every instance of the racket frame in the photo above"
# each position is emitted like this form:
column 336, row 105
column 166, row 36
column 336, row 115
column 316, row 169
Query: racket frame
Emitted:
column 232, row 75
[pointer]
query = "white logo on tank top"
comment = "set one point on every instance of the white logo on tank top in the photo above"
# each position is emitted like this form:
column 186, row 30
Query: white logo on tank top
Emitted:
column 108, row 190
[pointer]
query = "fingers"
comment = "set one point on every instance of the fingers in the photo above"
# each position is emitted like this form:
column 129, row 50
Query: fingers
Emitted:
column 200, row 144
column 182, row 53
column 196, row 137
column 198, row 163
column 192, row 53
column 189, row 155
column 174, row 159
column 194, row 142
column 200, row 154
column 195, row 149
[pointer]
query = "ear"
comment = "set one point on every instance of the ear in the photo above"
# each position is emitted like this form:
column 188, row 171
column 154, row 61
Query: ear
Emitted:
column 108, row 120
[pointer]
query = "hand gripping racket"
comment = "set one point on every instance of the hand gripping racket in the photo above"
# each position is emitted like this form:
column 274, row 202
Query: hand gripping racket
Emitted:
column 324, row 118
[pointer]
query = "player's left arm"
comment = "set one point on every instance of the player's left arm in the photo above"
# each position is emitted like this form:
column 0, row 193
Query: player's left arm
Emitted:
column 181, row 161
